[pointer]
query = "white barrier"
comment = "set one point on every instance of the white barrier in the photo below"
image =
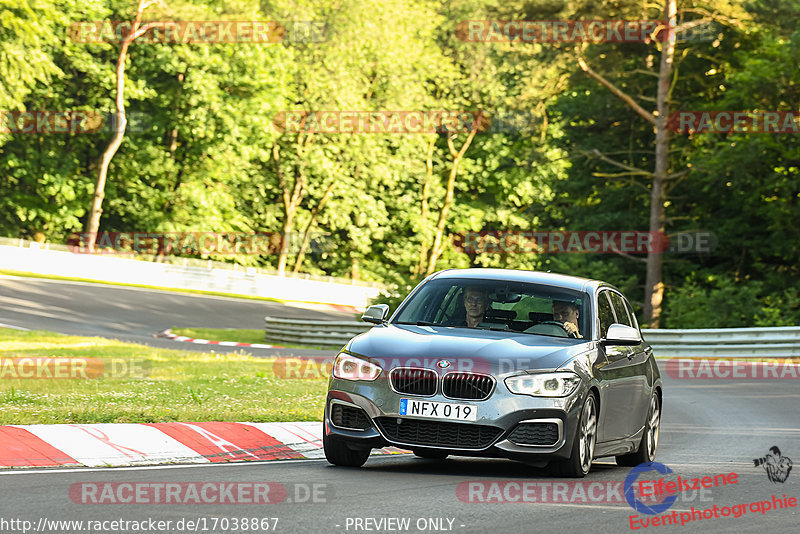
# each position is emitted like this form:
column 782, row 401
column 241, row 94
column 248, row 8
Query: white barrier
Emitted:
column 772, row 342
column 244, row 281
column 778, row 342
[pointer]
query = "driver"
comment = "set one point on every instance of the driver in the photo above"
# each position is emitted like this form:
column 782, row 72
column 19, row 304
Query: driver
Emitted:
column 476, row 301
column 566, row 312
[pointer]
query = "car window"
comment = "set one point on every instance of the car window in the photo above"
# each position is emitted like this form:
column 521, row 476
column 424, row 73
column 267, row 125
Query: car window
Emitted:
column 449, row 306
column 619, row 309
column 604, row 313
column 429, row 305
column 511, row 306
column 632, row 315
column 526, row 305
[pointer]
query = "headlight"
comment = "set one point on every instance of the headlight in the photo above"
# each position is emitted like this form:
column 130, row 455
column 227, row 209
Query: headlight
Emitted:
column 544, row 384
column 349, row 367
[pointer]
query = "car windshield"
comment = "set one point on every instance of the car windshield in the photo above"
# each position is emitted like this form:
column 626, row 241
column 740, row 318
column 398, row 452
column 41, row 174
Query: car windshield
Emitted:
column 498, row 305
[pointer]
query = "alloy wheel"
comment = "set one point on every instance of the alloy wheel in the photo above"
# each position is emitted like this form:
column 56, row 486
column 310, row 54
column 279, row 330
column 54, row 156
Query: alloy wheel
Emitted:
column 653, row 427
column 588, row 434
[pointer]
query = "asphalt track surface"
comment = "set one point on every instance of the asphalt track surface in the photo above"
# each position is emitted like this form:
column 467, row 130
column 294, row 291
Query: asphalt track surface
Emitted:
column 709, row 427
column 135, row 314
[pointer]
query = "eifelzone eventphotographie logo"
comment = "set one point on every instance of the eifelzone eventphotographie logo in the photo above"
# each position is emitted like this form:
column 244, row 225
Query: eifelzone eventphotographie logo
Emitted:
column 777, row 467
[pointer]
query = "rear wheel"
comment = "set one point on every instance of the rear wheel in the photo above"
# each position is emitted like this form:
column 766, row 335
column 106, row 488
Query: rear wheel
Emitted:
column 649, row 443
column 580, row 461
column 338, row 453
column 430, row 454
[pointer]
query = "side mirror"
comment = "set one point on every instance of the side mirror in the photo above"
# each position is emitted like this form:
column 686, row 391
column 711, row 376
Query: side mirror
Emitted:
column 376, row 314
column 620, row 334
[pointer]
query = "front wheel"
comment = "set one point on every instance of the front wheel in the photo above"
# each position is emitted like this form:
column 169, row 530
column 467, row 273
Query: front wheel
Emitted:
column 580, row 460
column 649, row 443
column 338, row 453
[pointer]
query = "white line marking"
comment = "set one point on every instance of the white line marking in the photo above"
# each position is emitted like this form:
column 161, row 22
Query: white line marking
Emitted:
column 12, row 327
column 25, row 471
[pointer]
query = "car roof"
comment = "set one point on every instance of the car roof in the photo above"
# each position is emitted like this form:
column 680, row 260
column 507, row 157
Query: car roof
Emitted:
column 514, row 275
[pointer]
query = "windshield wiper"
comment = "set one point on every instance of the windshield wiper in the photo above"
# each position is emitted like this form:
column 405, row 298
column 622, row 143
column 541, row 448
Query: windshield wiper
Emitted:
column 419, row 323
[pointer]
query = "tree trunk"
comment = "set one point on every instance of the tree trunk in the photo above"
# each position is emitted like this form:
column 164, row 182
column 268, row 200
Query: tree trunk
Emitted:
column 436, row 248
column 654, row 283
column 423, row 220
column 93, row 222
column 291, row 200
column 301, row 254
column 166, row 209
column 286, row 237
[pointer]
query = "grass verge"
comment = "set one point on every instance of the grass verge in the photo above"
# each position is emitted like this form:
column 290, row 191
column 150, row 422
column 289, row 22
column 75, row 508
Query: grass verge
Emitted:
column 239, row 336
column 165, row 385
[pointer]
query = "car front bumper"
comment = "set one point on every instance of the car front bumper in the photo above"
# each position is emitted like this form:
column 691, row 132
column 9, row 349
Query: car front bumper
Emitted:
column 498, row 417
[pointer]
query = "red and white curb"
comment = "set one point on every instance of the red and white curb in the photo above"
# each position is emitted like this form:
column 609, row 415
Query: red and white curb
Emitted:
column 169, row 335
column 130, row 444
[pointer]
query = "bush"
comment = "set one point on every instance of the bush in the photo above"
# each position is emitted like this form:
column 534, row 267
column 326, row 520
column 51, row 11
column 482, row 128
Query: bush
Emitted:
column 721, row 302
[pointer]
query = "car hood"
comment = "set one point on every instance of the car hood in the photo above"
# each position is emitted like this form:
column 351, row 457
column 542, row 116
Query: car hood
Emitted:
column 464, row 349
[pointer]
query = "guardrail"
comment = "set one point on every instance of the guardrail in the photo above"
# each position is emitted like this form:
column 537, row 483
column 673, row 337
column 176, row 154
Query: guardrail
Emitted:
column 776, row 342
column 325, row 333
column 773, row 342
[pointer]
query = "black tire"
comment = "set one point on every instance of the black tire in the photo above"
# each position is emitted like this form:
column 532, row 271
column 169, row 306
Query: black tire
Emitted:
column 580, row 459
column 338, row 453
column 430, row 454
column 649, row 444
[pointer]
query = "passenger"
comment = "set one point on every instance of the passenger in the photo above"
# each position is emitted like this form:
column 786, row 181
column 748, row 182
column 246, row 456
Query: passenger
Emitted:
column 567, row 312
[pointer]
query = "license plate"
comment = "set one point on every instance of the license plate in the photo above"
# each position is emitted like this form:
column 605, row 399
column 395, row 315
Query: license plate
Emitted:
column 438, row 410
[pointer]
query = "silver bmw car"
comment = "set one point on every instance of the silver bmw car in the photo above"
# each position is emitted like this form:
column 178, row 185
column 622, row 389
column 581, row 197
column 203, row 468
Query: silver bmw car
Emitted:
column 537, row 367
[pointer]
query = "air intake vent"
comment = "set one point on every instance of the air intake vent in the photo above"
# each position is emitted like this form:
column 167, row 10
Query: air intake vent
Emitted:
column 414, row 381
column 541, row 434
column 438, row 434
column 349, row 417
column 467, row 386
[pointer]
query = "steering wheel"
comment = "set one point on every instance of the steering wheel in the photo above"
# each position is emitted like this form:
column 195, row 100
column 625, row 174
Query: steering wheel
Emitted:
column 561, row 325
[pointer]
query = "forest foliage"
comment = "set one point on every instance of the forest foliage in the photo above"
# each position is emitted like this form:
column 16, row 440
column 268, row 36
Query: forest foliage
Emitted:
column 202, row 153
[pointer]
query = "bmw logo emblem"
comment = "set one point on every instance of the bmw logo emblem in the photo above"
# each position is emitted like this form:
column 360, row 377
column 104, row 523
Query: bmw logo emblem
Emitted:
column 442, row 364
